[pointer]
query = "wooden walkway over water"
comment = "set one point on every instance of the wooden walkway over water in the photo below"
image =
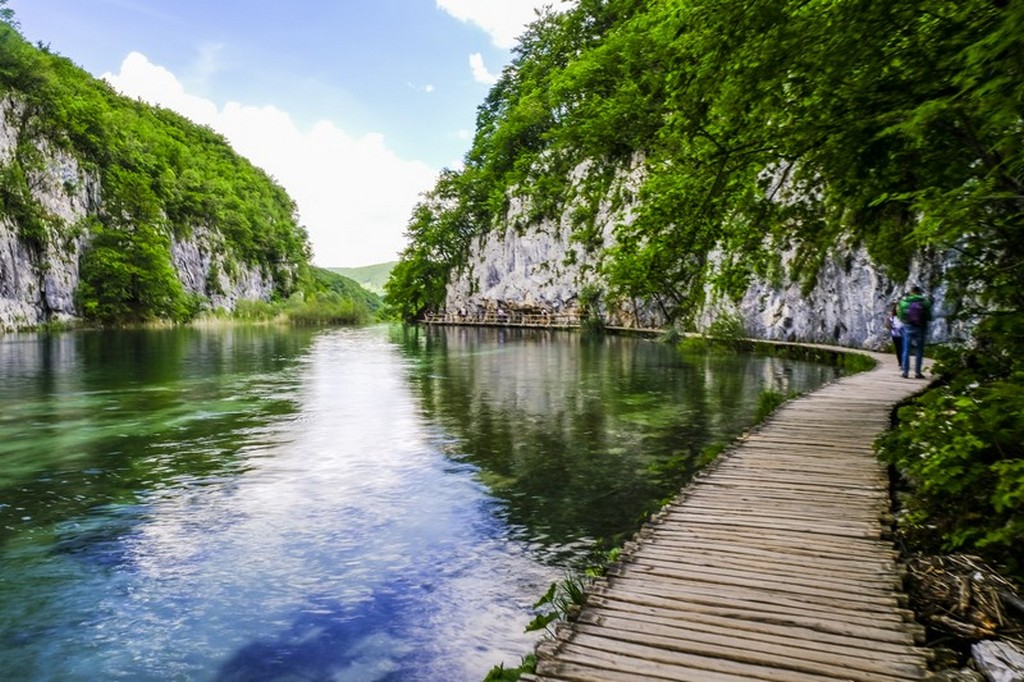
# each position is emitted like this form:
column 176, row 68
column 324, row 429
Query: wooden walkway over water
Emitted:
column 773, row 565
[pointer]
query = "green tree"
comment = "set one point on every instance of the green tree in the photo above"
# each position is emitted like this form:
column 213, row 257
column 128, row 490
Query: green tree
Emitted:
column 126, row 277
column 7, row 15
column 438, row 236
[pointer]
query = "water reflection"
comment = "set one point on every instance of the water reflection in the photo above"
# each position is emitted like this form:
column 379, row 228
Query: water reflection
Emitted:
column 579, row 436
column 271, row 504
column 89, row 419
column 261, row 507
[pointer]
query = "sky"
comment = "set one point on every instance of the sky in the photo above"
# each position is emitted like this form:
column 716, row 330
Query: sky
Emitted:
column 353, row 106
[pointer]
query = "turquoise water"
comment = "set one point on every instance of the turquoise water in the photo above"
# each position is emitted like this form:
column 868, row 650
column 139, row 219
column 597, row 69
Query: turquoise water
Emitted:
column 262, row 503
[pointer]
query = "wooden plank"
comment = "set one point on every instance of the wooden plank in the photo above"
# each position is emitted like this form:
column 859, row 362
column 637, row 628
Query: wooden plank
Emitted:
column 807, row 502
column 741, row 482
column 793, row 515
column 771, row 566
column 775, row 508
column 838, row 546
column 753, row 629
column 783, row 465
column 834, row 577
column 814, row 459
column 781, row 656
column 658, row 663
column 581, row 667
column 800, row 477
column 755, row 601
column 726, row 474
column 710, row 496
column 795, row 459
column 638, row 574
column 755, row 615
column 791, row 440
column 796, row 520
column 712, row 536
column 796, row 527
column 725, row 566
column 739, row 555
column 645, row 664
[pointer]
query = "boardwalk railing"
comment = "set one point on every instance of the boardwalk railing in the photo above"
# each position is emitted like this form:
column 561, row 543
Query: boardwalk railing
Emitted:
column 511, row 318
column 535, row 320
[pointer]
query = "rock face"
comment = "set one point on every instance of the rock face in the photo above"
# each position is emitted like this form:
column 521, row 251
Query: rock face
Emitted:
column 201, row 268
column 536, row 265
column 37, row 285
column 847, row 306
column 513, row 269
column 540, row 268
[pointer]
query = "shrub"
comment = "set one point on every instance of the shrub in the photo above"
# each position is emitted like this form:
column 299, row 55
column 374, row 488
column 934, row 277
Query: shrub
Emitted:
column 255, row 311
column 127, row 277
column 327, row 308
column 960, row 450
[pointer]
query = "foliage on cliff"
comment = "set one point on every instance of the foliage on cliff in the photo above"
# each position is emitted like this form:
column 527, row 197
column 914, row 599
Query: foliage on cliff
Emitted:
column 799, row 123
column 766, row 126
column 162, row 176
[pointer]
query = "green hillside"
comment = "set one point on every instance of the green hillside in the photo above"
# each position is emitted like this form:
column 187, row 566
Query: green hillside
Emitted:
column 162, row 176
column 370, row 277
column 347, row 287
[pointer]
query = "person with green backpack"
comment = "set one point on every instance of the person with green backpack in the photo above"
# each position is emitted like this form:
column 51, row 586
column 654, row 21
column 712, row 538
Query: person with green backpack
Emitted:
column 916, row 312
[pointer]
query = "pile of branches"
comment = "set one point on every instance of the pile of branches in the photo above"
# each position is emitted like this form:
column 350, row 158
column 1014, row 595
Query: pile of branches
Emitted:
column 960, row 598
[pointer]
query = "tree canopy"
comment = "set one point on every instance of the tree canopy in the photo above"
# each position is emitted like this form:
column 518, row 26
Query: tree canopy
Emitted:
column 896, row 125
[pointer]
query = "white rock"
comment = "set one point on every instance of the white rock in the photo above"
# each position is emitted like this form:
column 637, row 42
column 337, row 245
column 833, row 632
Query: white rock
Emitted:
column 535, row 266
column 999, row 661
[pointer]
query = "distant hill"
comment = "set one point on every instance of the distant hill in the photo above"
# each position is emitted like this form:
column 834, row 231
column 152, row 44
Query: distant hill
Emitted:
column 329, row 280
column 370, row 277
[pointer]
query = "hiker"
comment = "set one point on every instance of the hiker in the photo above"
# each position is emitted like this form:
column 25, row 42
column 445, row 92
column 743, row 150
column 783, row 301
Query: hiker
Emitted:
column 895, row 326
column 915, row 312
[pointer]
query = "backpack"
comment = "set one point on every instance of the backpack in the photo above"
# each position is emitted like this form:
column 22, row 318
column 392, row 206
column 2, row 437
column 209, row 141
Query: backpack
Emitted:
column 917, row 314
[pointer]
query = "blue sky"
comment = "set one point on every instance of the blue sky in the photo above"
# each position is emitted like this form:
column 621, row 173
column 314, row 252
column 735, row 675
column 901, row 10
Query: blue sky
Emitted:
column 352, row 105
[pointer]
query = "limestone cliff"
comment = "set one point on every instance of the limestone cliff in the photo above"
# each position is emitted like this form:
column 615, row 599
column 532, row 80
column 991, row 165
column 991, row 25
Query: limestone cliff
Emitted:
column 540, row 268
column 38, row 280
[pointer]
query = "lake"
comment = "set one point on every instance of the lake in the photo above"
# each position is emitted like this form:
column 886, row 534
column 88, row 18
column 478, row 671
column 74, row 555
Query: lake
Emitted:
column 381, row 503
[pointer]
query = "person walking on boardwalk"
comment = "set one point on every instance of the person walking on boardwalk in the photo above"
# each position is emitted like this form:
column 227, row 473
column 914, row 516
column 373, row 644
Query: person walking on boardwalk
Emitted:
column 895, row 326
column 915, row 312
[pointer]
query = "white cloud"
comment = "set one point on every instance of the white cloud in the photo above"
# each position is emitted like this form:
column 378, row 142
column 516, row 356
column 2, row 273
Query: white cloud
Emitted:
column 480, row 72
column 503, row 20
column 354, row 195
column 152, row 83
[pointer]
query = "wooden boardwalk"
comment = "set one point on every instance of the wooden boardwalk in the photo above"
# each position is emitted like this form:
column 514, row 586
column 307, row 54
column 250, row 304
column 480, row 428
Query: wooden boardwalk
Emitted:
column 773, row 565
